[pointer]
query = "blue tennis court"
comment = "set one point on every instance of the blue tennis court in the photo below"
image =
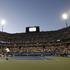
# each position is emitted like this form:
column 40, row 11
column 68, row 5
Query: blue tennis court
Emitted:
column 32, row 57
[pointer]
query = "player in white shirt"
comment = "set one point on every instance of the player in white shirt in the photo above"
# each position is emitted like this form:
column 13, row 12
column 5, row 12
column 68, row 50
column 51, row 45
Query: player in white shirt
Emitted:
column 7, row 50
column 7, row 53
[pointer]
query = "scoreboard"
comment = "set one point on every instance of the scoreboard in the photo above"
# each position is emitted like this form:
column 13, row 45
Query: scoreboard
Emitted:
column 32, row 29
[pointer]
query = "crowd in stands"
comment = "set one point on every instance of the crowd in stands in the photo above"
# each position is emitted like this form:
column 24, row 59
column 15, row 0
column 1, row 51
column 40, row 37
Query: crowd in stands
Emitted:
column 48, row 51
column 32, row 43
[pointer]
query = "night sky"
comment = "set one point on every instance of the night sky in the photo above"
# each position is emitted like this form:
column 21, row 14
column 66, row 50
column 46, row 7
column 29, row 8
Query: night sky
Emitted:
column 23, row 13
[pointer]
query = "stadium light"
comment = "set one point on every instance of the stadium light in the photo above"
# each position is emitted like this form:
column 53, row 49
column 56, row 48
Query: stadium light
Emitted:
column 65, row 18
column 3, row 22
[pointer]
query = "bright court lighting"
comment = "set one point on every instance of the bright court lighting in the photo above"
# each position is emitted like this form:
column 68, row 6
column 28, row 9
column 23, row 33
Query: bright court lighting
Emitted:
column 3, row 22
column 65, row 16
